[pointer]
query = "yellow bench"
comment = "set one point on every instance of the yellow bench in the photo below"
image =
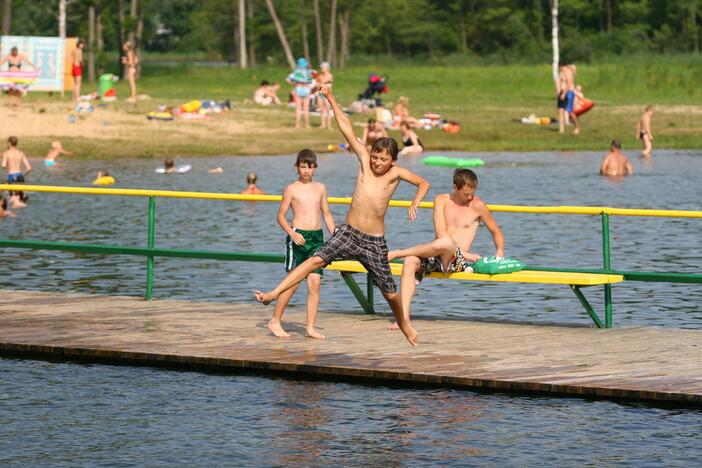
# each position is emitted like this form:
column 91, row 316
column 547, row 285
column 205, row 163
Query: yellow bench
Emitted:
column 572, row 279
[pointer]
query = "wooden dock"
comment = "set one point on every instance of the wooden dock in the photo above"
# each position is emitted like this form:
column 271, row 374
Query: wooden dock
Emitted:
column 642, row 363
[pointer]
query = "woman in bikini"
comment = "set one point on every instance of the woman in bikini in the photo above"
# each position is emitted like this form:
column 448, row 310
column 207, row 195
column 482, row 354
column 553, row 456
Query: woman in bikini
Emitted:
column 413, row 145
column 131, row 60
column 372, row 132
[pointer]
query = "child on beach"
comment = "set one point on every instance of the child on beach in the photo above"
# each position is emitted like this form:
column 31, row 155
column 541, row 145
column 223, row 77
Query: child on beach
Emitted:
column 457, row 216
column 307, row 199
column 361, row 236
column 13, row 160
column 302, row 78
column 643, row 131
column 54, row 152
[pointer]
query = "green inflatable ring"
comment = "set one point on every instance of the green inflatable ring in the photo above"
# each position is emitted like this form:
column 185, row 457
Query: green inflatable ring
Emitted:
column 452, row 162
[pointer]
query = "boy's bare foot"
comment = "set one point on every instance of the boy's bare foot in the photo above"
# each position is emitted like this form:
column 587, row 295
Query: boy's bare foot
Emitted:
column 411, row 334
column 312, row 333
column 264, row 298
column 277, row 329
column 393, row 326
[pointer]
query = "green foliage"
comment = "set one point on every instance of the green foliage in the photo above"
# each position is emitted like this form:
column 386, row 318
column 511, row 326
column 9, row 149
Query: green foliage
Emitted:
column 500, row 30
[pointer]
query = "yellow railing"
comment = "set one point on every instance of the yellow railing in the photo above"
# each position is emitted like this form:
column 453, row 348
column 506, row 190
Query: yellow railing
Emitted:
column 581, row 210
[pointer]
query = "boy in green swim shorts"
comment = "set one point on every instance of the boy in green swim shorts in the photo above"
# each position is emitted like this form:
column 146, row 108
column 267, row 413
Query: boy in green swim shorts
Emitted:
column 307, row 198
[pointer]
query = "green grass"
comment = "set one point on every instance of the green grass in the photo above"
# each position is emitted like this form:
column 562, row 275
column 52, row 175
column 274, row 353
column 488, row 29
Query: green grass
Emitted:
column 486, row 99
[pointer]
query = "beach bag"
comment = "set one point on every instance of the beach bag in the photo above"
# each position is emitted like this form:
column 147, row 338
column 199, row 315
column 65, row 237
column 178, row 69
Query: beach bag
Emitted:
column 497, row 265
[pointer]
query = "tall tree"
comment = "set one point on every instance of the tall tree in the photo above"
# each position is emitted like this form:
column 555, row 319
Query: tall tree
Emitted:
column 608, row 14
column 554, row 38
column 305, row 42
column 7, row 18
column 281, row 34
column 252, row 37
column 91, row 41
column 345, row 38
column 318, row 29
column 122, row 36
column 242, row 35
column 695, row 33
column 62, row 18
column 331, row 50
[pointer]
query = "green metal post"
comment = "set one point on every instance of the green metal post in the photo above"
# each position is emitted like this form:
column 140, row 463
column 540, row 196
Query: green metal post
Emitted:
column 150, row 245
column 357, row 292
column 607, row 268
column 369, row 292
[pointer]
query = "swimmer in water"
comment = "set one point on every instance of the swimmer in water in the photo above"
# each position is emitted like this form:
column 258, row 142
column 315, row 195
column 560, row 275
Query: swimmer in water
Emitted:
column 615, row 164
column 169, row 166
column 55, row 151
column 251, row 178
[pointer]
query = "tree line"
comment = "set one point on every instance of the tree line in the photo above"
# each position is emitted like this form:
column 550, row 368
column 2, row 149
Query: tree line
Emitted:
column 252, row 32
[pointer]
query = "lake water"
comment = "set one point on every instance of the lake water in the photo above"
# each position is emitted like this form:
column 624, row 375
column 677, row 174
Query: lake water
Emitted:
column 97, row 415
column 61, row 414
column 670, row 181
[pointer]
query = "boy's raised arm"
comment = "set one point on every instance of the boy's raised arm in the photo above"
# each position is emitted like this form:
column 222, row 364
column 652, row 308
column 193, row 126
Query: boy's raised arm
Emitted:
column 423, row 187
column 344, row 123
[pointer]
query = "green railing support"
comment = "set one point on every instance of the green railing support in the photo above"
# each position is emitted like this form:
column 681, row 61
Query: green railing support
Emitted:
column 150, row 245
column 357, row 292
column 583, row 300
column 369, row 292
column 607, row 266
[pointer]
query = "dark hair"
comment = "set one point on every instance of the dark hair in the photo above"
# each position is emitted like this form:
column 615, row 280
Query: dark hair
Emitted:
column 168, row 163
column 386, row 144
column 306, row 156
column 371, row 121
column 12, row 140
column 80, row 42
column 14, row 49
column 264, row 83
column 405, row 124
column 616, row 144
column 463, row 177
column 251, row 178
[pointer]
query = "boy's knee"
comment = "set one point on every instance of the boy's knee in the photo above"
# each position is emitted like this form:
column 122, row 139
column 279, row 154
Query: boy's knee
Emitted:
column 314, row 280
column 446, row 243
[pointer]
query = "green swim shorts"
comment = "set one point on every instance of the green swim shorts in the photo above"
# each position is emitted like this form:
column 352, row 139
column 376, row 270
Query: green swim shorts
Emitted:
column 296, row 254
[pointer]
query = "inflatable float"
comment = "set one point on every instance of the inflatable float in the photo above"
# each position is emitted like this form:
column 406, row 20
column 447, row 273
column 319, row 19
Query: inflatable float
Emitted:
column 583, row 105
column 452, row 162
column 104, row 180
column 18, row 79
column 178, row 170
column 155, row 115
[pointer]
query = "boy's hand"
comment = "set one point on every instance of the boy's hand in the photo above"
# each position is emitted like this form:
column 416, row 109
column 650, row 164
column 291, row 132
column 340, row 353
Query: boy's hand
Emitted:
column 325, row 91
column 297, row 238
column 412, row 212
column 471, row 257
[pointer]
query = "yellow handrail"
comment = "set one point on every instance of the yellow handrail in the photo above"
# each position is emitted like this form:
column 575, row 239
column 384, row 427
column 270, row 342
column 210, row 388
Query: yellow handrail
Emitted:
column 581, row 210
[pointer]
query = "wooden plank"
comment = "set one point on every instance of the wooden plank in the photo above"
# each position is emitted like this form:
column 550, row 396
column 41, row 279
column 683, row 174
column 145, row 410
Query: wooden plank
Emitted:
column 638, row 363
column 524, row 276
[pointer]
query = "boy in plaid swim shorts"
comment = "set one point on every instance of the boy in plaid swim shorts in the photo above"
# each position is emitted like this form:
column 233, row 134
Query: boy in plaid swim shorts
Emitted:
column 307, row 198
column 457, row 217
column 361, row 237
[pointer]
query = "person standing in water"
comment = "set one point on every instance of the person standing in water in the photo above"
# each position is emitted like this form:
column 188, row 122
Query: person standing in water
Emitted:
column 55, row 151
column 251, row 189
column 14, row 160
column 615, row 164
column 643, row 131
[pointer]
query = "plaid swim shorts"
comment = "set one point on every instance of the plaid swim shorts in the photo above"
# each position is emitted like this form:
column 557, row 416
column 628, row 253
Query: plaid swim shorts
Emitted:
column 457, row 264
column 348, row 243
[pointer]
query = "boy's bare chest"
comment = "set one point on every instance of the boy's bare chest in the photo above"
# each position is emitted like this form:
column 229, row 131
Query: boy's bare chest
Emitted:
column 460, row 217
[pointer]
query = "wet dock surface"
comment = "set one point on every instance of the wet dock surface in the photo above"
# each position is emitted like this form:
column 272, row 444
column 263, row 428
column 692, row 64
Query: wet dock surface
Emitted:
column 640, row 363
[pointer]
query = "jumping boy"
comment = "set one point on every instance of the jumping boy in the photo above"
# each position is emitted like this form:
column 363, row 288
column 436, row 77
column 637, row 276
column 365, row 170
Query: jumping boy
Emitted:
column 306, row 198
column 360, row 237
column 457, row 217
column 13, row 160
